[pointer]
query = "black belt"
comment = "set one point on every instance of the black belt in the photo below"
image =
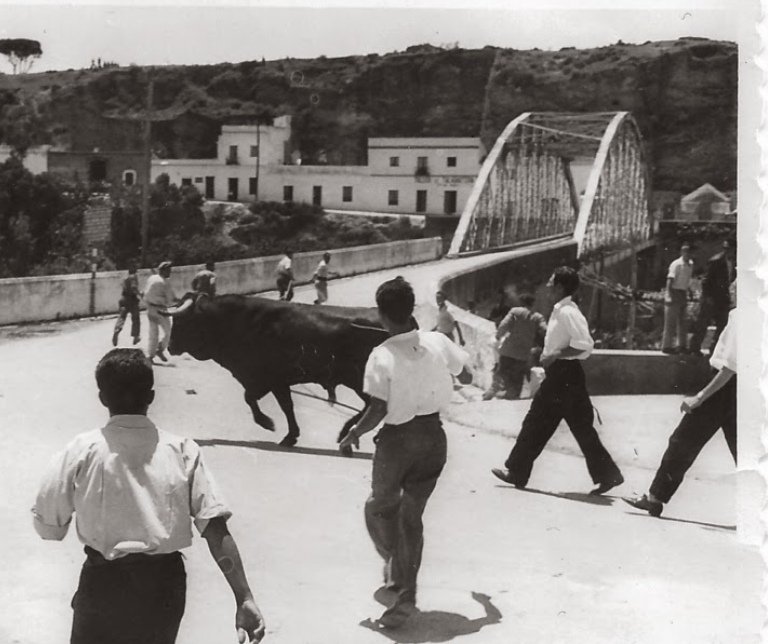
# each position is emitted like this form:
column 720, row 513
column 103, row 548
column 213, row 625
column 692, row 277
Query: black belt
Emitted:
column 95, row 558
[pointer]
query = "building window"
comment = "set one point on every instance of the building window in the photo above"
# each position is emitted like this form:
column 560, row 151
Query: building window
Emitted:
column 210, row 183
column 287, row 193
column 186, row 181
column 232, row 156
column 198, row 179
column 346, row 193
column 422, row 170
column 254, row 150
column 252, row 185
column 129, row 177
column 449, row 202
column 97, row 170
column 451, row 162
column 394, row 162
column 421, row 201
column 317, row 195
column 393, row 198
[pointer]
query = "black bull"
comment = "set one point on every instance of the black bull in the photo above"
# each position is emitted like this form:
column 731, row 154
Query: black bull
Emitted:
column 269, row 345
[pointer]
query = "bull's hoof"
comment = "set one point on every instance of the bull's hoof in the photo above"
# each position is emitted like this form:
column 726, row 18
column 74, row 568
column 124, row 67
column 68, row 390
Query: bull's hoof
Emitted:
column 266, row 422
column 288, row 441
column 346, row 451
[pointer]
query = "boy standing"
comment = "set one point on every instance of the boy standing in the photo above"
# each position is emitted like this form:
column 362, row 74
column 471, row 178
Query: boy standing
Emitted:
column 129, row 304
column 409, row 380
column 285, row 276
column 321, row 278
column 133, row 490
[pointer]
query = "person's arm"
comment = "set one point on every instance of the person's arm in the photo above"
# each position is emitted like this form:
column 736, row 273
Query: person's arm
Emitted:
column 567, row 352
column 374, row 413
column 458, row 331
column 249, row 621
column 580, row 339
column 714, row 385
column 504, row 325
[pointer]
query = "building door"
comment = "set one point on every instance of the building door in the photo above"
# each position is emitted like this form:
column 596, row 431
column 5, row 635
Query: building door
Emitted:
column 97, row 170
column 317, row 195
column 232, row 189
column 209, row 188
column 449, row 202
column 421, row 201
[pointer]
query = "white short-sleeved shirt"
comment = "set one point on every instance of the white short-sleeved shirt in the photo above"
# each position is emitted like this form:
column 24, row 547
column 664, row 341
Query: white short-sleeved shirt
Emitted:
column 567, row 327
column 132, row 488
column 724, row 353
column 681, row 273
column 411, row 372
column 284, row 266
column 158, row 291
column 322, row 270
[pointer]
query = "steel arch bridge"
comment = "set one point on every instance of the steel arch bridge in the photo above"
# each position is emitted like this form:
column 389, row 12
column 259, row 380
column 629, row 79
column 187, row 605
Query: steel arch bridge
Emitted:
column 525, row 190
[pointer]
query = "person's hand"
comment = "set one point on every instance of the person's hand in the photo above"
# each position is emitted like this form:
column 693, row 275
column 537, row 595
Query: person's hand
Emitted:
column 689, row 404
column 349, row 440
column 249, row 622
column 548, row 359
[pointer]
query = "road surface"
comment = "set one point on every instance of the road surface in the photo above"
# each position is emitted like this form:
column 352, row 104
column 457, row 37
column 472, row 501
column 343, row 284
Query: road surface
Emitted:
column 546, row 565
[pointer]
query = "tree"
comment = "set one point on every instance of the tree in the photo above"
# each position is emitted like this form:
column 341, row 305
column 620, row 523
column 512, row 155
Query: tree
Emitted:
column 21, row 53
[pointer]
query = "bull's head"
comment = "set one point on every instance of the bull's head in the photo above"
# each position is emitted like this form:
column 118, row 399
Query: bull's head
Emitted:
column 192, row 330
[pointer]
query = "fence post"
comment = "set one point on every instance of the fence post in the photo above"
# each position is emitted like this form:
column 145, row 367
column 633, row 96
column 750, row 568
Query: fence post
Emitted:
column 92, row 304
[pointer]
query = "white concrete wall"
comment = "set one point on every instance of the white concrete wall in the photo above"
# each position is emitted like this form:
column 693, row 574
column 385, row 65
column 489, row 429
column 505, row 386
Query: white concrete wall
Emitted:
column 53, row 297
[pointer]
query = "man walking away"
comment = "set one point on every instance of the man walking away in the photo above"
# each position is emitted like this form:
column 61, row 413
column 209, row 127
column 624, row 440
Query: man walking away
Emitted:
column 562, row 395
column 715, row 297
column 521, row 330
column 129, row 304
column 409, row 380
column 285, row 276
column 713, row 408
column 158, row 296
column 204, row 282
column 675, row 300
column 320, row 278
column 446, row 323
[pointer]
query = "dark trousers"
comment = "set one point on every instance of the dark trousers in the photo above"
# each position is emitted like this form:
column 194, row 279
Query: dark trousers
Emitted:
column 137, row 599
column 406, row 465
column 285, row 287
column 562, row 395
column 709, row 309
column 129, row 307
column 511, row 374
column 692, row 433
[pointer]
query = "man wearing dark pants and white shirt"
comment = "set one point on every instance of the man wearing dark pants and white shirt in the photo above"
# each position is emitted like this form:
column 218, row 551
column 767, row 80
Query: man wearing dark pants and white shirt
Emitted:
column 409, row 380
column 714, row 407
column 159, row 295
column 675, row 302
column 562, row 395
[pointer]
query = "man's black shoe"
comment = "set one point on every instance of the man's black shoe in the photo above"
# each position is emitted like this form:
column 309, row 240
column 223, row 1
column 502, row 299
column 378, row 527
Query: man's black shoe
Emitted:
column 654, row 508
column 506, row 476
column 162, row 356
column 605, row 486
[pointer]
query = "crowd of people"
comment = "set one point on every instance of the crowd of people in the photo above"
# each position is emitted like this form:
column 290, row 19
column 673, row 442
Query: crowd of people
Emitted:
column 133, row 579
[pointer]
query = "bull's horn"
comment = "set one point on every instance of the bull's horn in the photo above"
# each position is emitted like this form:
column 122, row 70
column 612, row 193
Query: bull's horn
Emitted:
column 186, row 304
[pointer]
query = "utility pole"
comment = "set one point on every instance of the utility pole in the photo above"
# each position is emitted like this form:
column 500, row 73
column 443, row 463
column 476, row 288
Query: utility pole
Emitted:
column 258, row 158
column 147, row 169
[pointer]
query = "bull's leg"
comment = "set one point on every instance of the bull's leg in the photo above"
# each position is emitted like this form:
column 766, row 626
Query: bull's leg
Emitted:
column 283, row 395
column 259, row 416
column 351, row 423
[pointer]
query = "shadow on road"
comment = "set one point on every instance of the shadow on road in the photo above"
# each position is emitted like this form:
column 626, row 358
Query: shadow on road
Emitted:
column 703, row 524
column 582, row 497
column 274, row 447
column 438, row 625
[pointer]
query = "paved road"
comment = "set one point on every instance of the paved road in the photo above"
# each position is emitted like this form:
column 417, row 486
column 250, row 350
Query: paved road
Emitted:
column 501, row 565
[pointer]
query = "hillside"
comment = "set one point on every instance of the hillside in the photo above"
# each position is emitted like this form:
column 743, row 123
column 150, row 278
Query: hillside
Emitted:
column 683, row 94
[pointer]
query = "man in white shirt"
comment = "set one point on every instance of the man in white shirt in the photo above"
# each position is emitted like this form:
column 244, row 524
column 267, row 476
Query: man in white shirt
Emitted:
column 713, row 408
column 562, row 395
column 675, row 301
column 285, row 276
column 409, row 380
column 321, row 276
column 159, row 295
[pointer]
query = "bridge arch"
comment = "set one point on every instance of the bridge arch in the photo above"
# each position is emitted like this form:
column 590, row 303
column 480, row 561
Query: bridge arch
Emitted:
column 526, row 191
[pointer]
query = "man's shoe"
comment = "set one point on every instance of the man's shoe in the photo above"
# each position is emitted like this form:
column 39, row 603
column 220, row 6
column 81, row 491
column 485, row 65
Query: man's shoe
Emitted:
column 653, row 508
column 397, row 614
column 162, row 356
column 605, row 486
column 506, row 476
column 114, row 339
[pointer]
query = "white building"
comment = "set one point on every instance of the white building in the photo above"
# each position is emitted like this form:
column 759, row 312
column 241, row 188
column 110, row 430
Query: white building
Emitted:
column 403, row 175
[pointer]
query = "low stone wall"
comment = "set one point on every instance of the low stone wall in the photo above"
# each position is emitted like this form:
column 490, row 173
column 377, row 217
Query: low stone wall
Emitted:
column 54, row 297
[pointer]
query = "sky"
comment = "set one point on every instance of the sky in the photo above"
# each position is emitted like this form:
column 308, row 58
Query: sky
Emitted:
column 214, row 32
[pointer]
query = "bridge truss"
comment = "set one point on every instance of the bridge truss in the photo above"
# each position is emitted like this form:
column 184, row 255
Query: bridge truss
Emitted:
column 525, row 191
